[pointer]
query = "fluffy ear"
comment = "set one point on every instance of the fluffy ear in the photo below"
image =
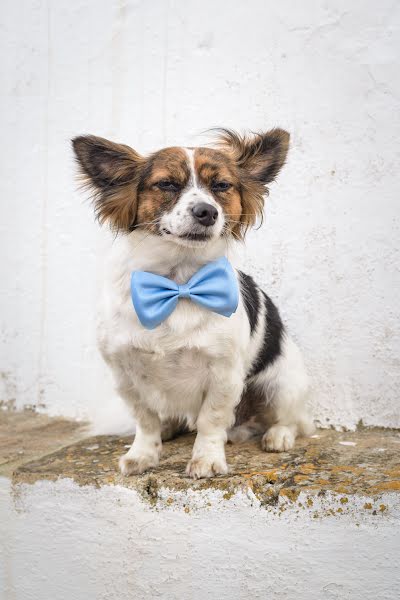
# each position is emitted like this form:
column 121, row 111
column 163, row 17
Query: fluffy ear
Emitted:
column 259, row 157
column 111, row 171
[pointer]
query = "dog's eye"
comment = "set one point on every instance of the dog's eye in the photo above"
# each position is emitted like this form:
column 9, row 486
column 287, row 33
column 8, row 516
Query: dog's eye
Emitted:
column 167, row 186
column 220, row 186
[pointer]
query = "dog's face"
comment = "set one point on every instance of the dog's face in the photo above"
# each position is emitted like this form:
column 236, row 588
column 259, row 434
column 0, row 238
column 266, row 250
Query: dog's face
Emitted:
column 190, row 195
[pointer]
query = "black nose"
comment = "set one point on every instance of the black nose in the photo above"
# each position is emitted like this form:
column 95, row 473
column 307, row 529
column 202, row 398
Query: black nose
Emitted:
column 205, row 214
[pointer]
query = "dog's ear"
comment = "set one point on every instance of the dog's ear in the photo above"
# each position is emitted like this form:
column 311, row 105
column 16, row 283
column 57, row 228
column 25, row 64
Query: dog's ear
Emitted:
column 259, row 157
column 111, row 172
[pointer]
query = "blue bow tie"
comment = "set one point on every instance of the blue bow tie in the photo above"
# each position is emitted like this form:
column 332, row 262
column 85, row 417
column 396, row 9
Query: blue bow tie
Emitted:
column 214, row 286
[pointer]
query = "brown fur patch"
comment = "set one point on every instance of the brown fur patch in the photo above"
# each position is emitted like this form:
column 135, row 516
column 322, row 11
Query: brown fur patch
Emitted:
column 169, row 164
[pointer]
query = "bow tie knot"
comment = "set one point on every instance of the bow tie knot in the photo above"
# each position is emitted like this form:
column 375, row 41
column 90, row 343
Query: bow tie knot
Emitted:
column 184, row 291
column 214, row 287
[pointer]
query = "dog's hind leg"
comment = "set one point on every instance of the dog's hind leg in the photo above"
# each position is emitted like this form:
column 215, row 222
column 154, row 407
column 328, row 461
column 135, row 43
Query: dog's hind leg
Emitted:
column 274, row 403
column 285, row 387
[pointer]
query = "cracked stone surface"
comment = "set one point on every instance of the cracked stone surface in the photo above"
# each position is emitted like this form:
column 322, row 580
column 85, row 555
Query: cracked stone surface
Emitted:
column 364, row 463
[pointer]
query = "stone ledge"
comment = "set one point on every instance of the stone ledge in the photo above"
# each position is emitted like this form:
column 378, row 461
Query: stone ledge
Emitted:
column 314, row 518
column 27, row 435
column 363, row 463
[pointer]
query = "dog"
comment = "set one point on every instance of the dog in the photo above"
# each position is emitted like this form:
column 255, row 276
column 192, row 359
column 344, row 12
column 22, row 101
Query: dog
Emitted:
column 176, row 211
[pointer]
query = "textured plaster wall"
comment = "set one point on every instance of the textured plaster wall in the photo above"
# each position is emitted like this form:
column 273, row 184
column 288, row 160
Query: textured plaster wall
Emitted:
column 158, row 73
column 65, row 542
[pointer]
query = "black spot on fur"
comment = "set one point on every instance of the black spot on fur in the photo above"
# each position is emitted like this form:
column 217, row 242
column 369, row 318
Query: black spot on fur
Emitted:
column 251, row 404
column 271, row 347
column 250, row 298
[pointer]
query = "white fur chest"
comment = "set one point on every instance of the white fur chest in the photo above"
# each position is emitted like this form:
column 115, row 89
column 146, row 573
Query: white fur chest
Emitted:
column 172, row 363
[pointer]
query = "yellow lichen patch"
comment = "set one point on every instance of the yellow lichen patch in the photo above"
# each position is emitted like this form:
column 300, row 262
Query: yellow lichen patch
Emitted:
column 346, row 481
column 313, row 488
column 348, row 469
column 265, row 496
column 310, row 502
column 227, row 495
column 307, row 468
column 344, row 500
column 368, row 505
column 387, row 486
column 301, row 478
column 382, row 507
column 392, row 472
column 312, row 452
column 271, row 476
column 342, row 489
column 290, row 494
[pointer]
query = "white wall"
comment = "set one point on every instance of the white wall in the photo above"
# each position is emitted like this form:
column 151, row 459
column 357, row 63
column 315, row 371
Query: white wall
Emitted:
column 158, row 73
column 67, row 542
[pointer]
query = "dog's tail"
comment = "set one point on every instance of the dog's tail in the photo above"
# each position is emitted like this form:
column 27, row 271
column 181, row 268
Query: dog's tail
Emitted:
column 251, row 429
column 245, row 431
column 173, row 428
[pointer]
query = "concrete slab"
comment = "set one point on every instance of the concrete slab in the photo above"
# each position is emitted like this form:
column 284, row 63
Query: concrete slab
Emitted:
column 363, row 463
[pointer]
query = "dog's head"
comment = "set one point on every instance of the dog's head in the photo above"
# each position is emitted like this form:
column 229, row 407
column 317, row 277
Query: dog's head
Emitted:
column 191, row 195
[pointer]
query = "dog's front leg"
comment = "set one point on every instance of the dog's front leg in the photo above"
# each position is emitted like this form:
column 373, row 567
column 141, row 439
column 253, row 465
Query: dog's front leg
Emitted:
column 145, row 451
column 216, row 415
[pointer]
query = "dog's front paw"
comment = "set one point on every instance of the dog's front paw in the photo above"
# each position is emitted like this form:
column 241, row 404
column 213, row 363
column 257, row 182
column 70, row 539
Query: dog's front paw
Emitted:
column 198, row 468
column 278, row 438
column 134, row 465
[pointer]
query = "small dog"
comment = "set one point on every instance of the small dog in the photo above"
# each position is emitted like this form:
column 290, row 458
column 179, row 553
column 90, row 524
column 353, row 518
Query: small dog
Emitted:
column 179, row 209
